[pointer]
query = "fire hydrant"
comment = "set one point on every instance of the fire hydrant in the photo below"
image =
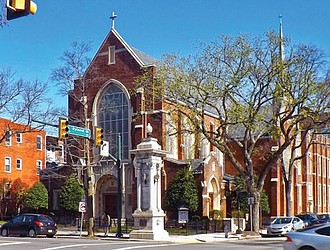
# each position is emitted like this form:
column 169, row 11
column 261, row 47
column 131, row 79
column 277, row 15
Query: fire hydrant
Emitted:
column 226, row 231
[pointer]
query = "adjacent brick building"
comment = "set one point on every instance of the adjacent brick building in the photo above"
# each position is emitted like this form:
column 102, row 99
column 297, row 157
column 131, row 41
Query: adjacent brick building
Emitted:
column 22, row 158
column 310, row 176
column 22, row 152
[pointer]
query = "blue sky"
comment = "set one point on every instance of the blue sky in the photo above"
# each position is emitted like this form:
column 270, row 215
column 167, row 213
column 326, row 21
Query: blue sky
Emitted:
column 32, row 45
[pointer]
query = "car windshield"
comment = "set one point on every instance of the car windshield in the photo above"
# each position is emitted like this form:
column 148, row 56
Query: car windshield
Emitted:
column 282, row 220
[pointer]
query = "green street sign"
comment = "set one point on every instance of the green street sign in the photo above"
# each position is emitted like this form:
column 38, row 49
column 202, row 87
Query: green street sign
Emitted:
column 78, row 131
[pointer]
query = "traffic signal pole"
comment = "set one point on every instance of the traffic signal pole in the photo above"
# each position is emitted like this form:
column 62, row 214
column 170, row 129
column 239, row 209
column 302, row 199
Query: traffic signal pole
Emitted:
column 90, row 191
column 119, row 190
column 90, row 184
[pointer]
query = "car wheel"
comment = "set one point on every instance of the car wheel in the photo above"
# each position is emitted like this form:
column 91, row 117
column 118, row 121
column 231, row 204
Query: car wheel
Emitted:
column 4, row 232
column 32, row 233
column 307, row 248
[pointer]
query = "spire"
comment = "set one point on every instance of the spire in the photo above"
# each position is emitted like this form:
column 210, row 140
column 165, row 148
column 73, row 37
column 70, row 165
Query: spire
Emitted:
column 281, row 47
column 113, row 17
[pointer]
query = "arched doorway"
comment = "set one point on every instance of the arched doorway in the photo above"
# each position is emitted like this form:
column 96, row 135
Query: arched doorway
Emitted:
column 106, row 196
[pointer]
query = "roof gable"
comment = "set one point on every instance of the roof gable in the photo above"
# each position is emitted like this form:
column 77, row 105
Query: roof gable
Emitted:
column 141, row 58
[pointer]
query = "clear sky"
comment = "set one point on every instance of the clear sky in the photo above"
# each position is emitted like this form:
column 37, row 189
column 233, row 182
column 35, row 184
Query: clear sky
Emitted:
column 32, row 45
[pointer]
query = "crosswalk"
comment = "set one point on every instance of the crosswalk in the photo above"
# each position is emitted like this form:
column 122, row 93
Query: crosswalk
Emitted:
column 12, row 243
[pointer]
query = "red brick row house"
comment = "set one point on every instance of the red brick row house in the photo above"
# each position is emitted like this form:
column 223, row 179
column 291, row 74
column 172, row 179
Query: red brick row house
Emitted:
column 22, row 157
column 22, row 153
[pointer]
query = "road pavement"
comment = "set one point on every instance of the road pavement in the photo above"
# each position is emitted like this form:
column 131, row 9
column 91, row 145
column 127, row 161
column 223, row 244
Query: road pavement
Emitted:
column 210, row 237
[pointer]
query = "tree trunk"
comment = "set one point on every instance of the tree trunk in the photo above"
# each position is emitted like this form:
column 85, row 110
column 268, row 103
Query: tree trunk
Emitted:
column 287, row 177
column 288, row 196
column 255, row 193
column 256, row 214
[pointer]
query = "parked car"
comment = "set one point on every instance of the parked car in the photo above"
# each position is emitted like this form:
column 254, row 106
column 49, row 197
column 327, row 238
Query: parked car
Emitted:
column 314, row 237
column 324, row 218
column 283, row 225
column 30, row 225
column 310, row 219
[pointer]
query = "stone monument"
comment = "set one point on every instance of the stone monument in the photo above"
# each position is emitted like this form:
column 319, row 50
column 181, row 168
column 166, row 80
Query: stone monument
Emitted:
column 148, row 216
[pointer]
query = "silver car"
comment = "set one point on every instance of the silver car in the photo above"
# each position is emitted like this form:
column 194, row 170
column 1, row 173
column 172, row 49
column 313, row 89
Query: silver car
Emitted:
column 283, row 225
column 311, row 238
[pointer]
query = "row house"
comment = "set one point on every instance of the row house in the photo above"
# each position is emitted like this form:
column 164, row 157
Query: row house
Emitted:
column 22, row 153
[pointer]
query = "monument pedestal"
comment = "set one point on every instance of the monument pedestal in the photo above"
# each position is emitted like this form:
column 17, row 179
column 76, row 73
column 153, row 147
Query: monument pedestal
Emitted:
column 149, row 225
column 148, row 217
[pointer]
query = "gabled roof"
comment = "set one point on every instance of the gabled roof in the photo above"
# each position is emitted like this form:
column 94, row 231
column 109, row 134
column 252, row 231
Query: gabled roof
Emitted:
column 141, row 58
column 145, row 59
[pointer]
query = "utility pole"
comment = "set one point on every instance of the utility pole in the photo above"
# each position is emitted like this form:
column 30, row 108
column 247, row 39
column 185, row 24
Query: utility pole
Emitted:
column 90, row 184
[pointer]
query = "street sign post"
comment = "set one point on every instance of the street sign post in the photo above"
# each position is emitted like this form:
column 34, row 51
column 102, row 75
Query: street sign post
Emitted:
column 78, row 131
column 82, row 209
column 251, row 202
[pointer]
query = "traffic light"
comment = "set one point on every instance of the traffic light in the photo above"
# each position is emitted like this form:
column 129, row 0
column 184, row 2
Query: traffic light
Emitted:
column 19, row 8
column 98, row 136
column 63, row 128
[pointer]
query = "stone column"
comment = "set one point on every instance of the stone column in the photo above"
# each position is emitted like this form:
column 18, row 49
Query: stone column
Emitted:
column 148, row 217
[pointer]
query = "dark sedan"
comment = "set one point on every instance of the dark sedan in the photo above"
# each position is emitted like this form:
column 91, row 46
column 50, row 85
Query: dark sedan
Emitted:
column 30, row 225
column 310, row 219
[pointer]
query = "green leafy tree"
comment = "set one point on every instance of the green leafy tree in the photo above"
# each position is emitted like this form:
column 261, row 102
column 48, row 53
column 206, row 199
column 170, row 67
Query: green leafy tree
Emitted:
column 253, row 91
column 36, row 197
column 241, row 188
column 71, row 194
column 182, row 191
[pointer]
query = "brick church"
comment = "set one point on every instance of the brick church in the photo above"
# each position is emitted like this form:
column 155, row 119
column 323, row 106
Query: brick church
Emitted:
column 106, row 101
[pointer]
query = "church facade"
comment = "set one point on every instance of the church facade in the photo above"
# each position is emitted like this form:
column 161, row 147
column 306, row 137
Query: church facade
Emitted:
column 107, row 101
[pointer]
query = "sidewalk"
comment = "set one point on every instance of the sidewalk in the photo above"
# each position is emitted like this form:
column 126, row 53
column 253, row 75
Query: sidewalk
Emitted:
column 210, row 237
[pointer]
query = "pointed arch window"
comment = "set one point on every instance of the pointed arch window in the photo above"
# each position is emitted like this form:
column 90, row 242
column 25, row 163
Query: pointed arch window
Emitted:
column 113, row 117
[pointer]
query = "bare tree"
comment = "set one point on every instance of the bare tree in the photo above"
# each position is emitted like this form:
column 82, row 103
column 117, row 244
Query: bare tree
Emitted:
column 3, row 19
column 23, row 102
column 75, row 61
column 68, row 77
column 245, row 83
column 71, row 82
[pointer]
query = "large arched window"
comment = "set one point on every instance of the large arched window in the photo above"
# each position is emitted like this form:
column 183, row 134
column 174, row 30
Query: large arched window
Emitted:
column 113, row 117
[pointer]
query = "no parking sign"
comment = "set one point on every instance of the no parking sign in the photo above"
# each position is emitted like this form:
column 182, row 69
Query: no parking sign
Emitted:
column 82, row 207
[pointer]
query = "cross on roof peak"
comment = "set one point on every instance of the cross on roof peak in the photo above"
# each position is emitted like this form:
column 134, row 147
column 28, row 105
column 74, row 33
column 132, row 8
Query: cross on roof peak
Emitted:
column 113, row 17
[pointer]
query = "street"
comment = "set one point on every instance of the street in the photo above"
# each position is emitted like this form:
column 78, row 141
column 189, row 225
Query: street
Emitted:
column 14, row 243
